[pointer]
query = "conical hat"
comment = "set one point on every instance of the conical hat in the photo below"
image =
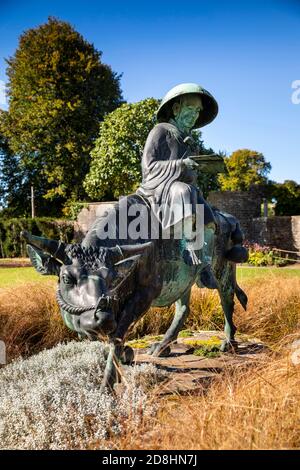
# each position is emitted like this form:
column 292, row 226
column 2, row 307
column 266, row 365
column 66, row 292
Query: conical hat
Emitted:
column 210, row 106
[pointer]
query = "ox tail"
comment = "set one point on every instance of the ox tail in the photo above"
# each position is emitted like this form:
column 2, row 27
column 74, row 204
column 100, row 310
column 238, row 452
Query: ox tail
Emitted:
column 241, row 296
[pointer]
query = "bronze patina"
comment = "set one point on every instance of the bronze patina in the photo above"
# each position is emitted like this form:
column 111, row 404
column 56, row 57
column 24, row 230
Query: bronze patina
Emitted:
column 107, row 284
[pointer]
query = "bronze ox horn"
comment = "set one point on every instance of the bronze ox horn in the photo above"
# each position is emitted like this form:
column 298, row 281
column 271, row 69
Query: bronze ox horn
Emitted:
column 52, row 247
column 124, row 251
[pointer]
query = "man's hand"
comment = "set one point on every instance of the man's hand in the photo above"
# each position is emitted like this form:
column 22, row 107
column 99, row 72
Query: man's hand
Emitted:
column 189, row 163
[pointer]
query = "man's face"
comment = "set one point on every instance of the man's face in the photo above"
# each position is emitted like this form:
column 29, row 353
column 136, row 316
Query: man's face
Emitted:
column 187, row 113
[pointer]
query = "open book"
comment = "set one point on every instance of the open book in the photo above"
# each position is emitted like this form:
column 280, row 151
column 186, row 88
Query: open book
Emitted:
column 209, row 163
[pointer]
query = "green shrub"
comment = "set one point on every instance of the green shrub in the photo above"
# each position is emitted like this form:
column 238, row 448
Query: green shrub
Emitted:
column 205, row 347
column 260, row 255
column 72, row 209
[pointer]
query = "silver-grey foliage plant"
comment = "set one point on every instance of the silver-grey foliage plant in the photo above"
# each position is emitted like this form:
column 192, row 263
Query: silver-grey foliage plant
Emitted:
column 53, row 400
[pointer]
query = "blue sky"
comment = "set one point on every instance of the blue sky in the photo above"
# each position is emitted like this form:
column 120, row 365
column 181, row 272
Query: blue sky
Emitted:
column 246, row 53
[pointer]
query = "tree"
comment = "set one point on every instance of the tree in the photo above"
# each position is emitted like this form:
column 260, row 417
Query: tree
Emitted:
column 116, row 158
column 59, row 91
column 287, row 196
column 13, row 187
column 245, row 167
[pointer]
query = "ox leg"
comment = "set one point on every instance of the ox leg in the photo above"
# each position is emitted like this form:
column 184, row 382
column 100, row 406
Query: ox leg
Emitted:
column 111, row 373
column 181, row 312
column 227, row 300
column 134, row 308
column 117, row 353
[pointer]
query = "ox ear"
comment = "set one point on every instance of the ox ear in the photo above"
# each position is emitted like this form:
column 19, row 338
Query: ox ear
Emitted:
column 43, row 263
column 126, row 265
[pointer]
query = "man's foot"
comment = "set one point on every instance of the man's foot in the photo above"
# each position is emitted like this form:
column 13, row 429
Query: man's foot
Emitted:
column 190, row 258
column 207, row 278
column 237, row 254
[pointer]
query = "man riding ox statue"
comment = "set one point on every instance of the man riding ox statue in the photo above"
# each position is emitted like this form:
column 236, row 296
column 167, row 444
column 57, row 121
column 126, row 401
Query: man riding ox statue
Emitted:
column 106, row 283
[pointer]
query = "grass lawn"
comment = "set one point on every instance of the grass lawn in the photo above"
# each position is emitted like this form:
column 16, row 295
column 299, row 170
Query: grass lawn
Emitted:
column 14, row 262
column 14, row 276
column 11, row 276
column 248, row 273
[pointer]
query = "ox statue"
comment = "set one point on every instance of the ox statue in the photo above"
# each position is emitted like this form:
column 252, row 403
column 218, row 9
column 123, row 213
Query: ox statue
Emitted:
column 105, row 285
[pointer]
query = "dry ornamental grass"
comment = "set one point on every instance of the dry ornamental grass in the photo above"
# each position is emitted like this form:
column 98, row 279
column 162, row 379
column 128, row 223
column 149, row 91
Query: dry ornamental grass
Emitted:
column 253, row 408
column 30, row 320
column 258, row 408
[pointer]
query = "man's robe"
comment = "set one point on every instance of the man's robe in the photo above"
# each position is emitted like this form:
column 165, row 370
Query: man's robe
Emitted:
column 168, row 184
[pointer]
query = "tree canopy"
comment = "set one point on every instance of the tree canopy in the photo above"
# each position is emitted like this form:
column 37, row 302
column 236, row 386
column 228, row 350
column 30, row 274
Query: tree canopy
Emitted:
column 287, row 197
column 13, row 187
column 59, row 91
column 244, row 168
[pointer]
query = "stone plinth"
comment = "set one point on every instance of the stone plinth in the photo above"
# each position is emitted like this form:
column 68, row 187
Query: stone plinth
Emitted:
column 188, row 373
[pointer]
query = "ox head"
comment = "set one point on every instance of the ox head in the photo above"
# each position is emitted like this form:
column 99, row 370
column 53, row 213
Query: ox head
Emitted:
column 93, row 281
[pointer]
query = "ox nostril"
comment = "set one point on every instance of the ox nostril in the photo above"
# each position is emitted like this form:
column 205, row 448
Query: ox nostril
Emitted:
column 105, row 320
column 102, row 316
column 98, row 314
column 103, row 303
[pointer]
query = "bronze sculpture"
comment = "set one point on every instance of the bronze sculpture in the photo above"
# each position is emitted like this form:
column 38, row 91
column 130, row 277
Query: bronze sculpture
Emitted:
column 169, row 174
column 107, row 283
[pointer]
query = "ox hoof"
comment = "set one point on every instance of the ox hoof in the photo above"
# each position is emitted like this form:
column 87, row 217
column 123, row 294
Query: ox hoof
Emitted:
column 127, row 355
column 229, row 346
column 159, row 350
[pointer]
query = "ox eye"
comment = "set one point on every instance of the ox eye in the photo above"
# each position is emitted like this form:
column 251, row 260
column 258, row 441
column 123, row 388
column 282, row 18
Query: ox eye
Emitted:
column 68, row 279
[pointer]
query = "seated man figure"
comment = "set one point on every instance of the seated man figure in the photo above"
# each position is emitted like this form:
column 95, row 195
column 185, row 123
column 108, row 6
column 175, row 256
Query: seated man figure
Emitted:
column 169, row 175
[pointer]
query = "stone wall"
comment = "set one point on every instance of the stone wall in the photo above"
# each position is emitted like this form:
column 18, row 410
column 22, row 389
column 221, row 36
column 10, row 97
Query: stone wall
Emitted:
column 87, row 216
column 278, row 232
column 244, row 205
